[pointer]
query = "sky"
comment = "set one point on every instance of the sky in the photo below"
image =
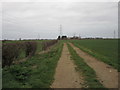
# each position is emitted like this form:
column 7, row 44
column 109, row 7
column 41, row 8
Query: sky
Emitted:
column 31, row 20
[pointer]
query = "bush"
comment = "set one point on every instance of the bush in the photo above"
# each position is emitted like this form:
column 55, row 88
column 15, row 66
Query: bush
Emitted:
column 47, row 44
column 20, row 73
column 30, row 48
column 10, row 51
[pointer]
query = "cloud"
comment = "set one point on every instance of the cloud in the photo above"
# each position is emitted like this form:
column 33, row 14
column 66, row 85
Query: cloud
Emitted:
column 88, row 19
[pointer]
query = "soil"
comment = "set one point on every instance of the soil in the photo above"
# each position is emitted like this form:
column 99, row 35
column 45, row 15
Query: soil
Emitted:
column 106, row 74
column 66, row 76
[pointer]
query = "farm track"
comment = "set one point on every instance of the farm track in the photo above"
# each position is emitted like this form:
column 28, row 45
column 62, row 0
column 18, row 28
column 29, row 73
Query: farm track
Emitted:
column 66, row 76
column 106, row 74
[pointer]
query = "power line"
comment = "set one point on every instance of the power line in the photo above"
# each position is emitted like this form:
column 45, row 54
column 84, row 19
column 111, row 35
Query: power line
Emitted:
column 60, row 30
column 79, row 36
column 38, row 36
column 74, row 34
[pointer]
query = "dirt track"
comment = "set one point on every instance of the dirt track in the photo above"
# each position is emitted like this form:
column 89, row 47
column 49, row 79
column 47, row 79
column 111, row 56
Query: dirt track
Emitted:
column 107, row 75
column 66, row 75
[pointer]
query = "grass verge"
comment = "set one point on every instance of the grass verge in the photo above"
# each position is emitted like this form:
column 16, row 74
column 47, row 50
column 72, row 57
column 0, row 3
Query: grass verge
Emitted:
column 88, row 73
column 37, row 72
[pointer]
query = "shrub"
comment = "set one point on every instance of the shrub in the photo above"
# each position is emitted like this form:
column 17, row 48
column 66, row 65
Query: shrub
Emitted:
column 47, row 44
column 30, row 48
column 10, row 51
column 20, row 73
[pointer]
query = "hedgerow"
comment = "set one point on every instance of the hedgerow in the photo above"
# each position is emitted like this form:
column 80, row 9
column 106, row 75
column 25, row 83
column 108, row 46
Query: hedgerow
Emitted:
column 47, row 44
column 30, row 48
column 12, row 51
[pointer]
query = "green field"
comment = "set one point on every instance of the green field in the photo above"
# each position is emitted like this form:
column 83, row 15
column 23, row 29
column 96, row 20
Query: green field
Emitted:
column 104, row 50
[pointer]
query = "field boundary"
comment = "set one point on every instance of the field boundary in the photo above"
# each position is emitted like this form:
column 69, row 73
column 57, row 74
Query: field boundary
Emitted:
column 36, row 72
column 47, row 50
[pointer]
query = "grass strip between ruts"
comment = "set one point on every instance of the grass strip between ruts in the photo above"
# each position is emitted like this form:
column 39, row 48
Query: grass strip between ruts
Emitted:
column 88, row 73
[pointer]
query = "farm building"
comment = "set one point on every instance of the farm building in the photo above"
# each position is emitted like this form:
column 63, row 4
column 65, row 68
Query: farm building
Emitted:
column 62, row 38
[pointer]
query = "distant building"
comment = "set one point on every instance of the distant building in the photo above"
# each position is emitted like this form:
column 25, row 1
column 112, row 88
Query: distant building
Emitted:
column 64, row 37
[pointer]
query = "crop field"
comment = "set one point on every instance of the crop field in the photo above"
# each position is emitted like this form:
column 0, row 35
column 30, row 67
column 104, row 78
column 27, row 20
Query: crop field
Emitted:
column 60, row 64
column 105, row 50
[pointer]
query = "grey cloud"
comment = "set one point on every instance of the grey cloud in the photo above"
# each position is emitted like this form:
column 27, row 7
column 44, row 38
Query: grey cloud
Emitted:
column 28, row 19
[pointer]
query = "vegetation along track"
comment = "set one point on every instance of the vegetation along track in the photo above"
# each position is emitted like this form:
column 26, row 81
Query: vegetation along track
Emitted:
column 107, row 75
column 36, row 72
